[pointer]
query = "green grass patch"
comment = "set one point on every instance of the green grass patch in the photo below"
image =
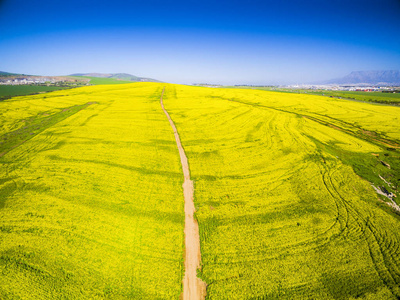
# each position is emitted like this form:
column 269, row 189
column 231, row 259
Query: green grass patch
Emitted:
column 100, row 80
column 8, row 91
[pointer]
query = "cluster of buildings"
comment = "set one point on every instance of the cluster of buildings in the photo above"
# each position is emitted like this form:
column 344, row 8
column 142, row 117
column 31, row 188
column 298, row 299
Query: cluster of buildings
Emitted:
column 350, row 88
column 21, row 81
column 40, row 80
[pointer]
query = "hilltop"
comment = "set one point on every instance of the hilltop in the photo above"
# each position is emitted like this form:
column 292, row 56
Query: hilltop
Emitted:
column 117, row 76
column 5, row 74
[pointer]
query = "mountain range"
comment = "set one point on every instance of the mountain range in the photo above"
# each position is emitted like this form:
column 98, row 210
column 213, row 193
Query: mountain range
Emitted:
column 391, row 77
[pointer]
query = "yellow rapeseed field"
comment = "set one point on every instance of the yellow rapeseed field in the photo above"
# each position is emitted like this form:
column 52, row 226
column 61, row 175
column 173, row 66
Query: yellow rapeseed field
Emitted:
column 91, row 207
column 281, row 211
column 91, row 202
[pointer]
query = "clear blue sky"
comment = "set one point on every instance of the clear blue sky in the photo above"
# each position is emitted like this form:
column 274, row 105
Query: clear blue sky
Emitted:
column 228, row 42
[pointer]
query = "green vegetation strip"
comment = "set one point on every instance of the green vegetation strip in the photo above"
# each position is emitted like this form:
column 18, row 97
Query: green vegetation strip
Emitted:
column 100, row 80
column 378, row 97
column 8, row 91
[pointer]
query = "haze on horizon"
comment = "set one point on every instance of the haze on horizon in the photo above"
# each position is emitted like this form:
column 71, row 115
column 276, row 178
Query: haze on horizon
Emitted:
column 226, row 42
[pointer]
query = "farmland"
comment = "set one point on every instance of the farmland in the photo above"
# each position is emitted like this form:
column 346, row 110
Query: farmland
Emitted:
column 377, row 97
column 281, row 211
column 101, row 80
column 374, row 97
column 91, row 204
column 8, row 91
column 92, row 207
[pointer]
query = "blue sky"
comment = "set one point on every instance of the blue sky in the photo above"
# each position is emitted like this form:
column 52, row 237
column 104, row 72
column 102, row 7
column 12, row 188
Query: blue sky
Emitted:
column 227, row 42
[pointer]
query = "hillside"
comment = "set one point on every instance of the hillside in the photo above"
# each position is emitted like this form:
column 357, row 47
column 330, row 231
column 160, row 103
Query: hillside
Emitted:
column 3, row 74
column 117, row 76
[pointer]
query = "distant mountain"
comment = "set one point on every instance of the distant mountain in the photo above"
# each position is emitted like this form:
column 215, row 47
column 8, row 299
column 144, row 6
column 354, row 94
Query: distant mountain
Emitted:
column 92, row 75
column 8, row 74
column 120, row 76
column 369, row 77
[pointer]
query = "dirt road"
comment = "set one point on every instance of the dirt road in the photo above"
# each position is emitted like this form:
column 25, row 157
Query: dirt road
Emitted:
column 193, row 287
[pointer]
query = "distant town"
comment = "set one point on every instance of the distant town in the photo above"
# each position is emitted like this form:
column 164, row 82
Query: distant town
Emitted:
column 327, row 87
column 350, row 88
column 42, row 80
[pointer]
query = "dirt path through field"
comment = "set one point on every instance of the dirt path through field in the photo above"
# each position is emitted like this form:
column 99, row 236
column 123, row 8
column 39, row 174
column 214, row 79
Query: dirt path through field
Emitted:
column 193, row 287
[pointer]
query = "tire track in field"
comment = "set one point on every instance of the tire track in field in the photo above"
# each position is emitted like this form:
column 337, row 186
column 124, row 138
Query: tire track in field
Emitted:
column 385, row 264
column 193, row 287
column 340, row 125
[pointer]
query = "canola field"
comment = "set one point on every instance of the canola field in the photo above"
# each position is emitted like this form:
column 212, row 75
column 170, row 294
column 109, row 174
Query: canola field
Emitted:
column 91, row 203
column 389, row 98
column 282, row 212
